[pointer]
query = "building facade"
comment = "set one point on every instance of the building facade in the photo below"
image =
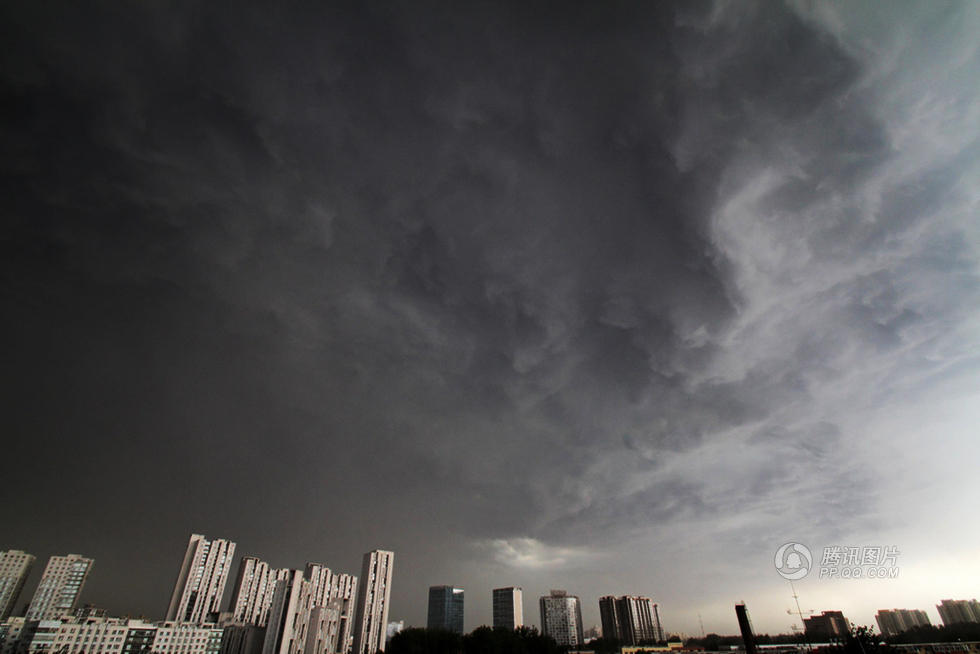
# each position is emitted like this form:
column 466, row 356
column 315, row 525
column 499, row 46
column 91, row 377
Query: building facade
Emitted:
column 15, row 635
column 446, row 606
column 201, row 581
column 254, row 587
column 15, row 566
column 71, row 635
column 242, row 639
column 896, row 621
column 174, row 637
column 508, row 607
column 305, row 617
column 61, row 584
column 631, row 619
column 343, row 591
column 561, row 618
column 103, row 635
column 285, row 614
column 373, row 594
column 958, row 611
column 609, row 618
column 826, row 627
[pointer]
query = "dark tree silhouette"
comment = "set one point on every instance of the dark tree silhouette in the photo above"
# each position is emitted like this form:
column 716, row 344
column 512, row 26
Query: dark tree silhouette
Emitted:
column 863, row 640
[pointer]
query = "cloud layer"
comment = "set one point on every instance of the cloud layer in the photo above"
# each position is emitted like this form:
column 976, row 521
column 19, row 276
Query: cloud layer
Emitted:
column 508, row 292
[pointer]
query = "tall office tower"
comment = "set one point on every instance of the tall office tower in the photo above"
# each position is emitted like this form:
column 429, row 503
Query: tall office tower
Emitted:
column 508, row 607
column 446, row 608
column 60, row 586
column 745, row 626
column 372, row 602
column 254, row 588
column 343, row 590
column 958, row 611
column 15, row 566
column 201, row 580
column 897, row 621
column 561, row 618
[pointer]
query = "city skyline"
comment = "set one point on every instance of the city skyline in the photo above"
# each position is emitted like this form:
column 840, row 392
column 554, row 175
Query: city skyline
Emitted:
column 623, row 298
column 342, row 586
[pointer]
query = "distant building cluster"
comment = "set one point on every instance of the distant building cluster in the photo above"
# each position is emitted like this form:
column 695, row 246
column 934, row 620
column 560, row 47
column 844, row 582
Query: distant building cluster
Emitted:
column 897, row 621
column 892, row 622
column 318, row 611
column 959, row 611
column 633, row 620
column 273, row 610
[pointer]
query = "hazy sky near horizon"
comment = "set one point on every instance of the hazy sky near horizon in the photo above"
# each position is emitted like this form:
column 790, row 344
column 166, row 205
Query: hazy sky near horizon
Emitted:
column 615, row 298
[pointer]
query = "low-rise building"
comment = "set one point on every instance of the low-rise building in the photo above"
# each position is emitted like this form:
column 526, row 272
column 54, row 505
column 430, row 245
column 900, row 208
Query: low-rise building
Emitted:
column 826, row 627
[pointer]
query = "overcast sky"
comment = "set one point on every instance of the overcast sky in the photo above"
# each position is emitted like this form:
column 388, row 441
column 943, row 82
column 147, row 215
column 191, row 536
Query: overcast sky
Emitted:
column 613, row 297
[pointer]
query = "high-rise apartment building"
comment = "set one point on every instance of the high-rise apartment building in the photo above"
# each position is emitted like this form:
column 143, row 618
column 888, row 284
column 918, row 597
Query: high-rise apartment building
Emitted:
column 319, row 576
column 561, row 618
column 958, row 611
column 373, row 594
column 201, row 581
column 254, row 588
column 59, row 588
column 343, row 591
column 632, row 620
column 15, row 566
column 303, row 618
column 508, row 607
column 285, row 614
column 895, row 621
column 446, row 608
column 609, row 618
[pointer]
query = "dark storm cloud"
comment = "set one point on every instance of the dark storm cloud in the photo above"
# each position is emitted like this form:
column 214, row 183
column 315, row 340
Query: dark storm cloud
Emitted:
column 495, row 274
